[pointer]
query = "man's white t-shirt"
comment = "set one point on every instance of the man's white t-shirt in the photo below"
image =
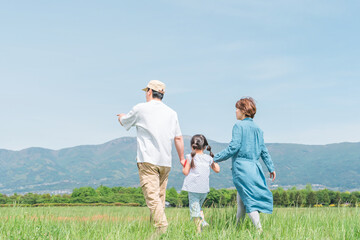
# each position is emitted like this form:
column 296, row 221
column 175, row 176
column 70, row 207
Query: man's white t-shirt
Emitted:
column 157, row 125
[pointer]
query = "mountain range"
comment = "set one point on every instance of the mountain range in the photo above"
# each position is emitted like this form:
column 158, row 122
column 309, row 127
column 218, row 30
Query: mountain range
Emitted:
column 334, row 166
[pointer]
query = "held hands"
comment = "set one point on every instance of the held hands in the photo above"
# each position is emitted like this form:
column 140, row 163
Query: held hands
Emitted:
column 186, row 166
column 215, row 167
column 183, row 162
column 273, row 175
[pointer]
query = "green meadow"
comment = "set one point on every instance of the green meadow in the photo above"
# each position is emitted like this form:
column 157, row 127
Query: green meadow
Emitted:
column 133, row 223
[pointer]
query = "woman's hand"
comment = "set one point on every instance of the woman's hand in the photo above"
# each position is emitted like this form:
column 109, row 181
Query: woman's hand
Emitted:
column 273, row 175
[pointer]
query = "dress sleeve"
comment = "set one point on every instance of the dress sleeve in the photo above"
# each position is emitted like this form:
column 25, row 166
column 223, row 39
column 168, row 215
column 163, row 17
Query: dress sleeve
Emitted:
column 234, row 146
column 130, row 119
column 265, row 156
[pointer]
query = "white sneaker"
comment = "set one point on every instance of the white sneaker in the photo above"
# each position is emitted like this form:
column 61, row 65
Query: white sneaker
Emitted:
column 204, row 224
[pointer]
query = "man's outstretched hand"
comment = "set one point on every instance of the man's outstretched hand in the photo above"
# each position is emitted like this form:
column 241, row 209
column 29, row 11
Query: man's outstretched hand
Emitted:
column 120, row 116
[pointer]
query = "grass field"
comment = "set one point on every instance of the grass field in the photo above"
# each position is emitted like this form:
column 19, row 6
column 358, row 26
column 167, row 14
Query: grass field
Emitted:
column 133, row 223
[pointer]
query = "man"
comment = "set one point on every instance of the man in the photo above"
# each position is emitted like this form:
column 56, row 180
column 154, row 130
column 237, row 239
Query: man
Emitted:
column 157, row 125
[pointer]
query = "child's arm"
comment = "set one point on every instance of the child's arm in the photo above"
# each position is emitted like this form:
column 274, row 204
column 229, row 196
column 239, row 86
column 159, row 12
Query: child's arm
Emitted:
column 215, row 167
column 186, row 168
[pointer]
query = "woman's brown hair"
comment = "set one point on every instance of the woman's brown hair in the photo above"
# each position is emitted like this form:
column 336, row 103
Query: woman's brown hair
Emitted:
column 199, row 142
column 247, row 106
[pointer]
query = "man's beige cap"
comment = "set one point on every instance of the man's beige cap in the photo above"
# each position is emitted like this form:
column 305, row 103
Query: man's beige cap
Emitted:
column 156, row 85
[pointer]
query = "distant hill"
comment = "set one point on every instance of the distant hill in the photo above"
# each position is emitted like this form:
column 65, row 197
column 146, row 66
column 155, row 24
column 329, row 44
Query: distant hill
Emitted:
column 335, row 166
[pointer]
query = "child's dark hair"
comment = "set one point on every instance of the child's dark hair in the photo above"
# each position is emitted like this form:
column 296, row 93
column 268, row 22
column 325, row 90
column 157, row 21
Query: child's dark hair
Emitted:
column 199, row 142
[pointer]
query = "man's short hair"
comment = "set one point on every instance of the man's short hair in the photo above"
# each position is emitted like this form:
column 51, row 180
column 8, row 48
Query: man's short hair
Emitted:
column 156, row 94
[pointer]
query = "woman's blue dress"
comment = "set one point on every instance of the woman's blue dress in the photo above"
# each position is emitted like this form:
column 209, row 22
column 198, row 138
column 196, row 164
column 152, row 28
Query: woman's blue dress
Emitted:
column 246, row 147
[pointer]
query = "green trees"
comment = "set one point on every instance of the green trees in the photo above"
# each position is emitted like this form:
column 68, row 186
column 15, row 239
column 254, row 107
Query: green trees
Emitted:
column 311, row 199
column 104, row 191
column 84, row 195
column 276, row 198
column 173, row 198
column 83, row 192
column 353, row 200
column 216, row 197
column 212, row 198
column 183, row 196
column 326, row 198
column 227, row 197
column 29, row 198
column 292, row 198
column 308, row 187
column 299, row 199
column 284, row 199
column 337, row 198
column 3, row 199
column 345, row 197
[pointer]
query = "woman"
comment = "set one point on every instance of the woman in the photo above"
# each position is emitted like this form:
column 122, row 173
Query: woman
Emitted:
column 246, row 147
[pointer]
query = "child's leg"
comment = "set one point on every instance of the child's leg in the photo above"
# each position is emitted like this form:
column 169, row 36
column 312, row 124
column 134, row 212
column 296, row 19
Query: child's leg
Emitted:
column 202, row 215
column 203, row 223
column 240, row 214
column 195, row 208
column 255, row 218
column 198, row 224
column 202, row 199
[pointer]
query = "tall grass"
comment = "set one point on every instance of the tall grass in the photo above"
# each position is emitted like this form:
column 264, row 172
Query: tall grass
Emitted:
column 133, row 223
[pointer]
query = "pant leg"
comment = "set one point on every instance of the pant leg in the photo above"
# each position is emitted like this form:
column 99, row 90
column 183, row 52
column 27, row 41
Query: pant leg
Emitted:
column 150, row 183
column 255, row 218
column 202, row 200
column 164, row 176
column 240, row 214
column 194, row 204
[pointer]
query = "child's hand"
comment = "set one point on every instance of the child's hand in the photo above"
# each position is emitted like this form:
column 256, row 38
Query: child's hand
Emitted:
column 186, row 167
column 215, row 167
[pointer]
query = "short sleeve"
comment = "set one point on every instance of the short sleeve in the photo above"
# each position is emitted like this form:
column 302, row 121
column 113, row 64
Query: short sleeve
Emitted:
column 130, row 119
column 177, row 131
column 211, row 160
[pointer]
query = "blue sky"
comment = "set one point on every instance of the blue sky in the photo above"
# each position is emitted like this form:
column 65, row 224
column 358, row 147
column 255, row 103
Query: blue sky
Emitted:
column 68, row 67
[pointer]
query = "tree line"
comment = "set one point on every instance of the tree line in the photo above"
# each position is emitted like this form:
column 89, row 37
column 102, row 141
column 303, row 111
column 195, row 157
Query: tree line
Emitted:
column 216, row 197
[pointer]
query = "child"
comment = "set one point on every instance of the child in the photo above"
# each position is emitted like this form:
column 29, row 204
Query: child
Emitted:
column 197, row 172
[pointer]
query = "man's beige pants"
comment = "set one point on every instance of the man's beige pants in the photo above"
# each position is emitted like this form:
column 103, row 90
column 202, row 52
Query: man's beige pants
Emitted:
column 153, row 181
